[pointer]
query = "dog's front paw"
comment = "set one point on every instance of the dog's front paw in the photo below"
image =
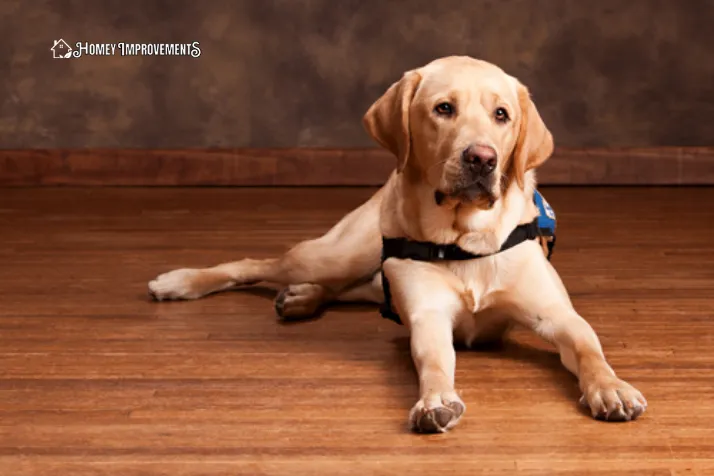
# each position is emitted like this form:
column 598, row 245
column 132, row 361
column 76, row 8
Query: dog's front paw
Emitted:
column 299, row 301
column 177, row 284
column 436, row 413
column 612, row 399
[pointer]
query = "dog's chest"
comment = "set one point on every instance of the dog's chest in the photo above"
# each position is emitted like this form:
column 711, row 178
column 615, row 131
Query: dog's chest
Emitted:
column 489, row 282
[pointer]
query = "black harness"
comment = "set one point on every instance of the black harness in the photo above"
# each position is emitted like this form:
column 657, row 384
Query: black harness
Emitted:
column 403, row 248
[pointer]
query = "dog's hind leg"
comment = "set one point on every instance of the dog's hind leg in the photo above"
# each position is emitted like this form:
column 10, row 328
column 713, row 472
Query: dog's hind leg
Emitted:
column 346, row 255
column 193, row 283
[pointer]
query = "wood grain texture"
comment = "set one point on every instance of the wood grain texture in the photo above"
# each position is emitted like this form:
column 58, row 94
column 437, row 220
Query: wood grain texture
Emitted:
column 300, row 167
column 95, row 379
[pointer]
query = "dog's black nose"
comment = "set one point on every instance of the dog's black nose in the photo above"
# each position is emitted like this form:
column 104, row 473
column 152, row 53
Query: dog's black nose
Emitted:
column 480, row 157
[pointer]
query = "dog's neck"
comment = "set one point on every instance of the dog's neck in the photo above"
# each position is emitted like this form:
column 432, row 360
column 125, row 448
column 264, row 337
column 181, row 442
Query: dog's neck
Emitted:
column 412, row 212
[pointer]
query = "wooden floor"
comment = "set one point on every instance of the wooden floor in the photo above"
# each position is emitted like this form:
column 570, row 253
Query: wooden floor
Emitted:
column 96, row 379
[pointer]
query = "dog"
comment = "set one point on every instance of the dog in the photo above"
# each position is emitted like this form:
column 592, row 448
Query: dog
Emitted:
column 467, row 139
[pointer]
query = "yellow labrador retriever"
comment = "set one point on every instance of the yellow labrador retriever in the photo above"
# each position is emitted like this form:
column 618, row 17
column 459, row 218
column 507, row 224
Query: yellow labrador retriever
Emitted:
column 467, row 138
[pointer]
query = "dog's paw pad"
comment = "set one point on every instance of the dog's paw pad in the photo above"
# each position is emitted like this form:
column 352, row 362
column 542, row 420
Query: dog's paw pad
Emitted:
column 437, row 413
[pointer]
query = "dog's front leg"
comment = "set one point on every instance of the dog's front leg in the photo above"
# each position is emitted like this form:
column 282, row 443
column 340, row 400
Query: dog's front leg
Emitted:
column 546, row 308
column 430, row 300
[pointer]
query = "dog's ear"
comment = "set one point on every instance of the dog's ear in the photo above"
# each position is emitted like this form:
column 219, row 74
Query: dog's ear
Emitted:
column 534, row 144
column 387, row 120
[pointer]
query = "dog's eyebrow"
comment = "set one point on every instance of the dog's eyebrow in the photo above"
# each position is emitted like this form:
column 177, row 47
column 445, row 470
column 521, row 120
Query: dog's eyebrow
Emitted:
column 443, row 94
column 501, row 101
column 498, row 99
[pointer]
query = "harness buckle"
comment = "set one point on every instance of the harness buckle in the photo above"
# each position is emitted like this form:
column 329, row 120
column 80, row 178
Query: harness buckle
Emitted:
column 436, row 252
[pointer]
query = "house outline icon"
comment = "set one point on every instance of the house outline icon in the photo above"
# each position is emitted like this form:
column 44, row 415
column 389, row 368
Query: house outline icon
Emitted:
column 61, row 49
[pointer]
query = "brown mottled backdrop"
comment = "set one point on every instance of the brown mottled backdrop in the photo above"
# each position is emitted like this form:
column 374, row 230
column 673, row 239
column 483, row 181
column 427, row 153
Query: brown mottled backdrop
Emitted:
column 293, row 73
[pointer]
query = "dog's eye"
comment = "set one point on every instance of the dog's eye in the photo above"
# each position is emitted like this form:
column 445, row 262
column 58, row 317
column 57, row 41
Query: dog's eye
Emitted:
column 501, row 115
column 444, row 109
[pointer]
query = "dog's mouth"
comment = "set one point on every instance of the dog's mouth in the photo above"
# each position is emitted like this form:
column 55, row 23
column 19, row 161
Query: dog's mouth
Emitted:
column 460, row 184
column 477, row 193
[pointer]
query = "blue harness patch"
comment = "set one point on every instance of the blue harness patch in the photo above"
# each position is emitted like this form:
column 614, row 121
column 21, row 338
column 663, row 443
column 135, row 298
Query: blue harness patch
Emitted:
column 546, row 215
column 542, row 227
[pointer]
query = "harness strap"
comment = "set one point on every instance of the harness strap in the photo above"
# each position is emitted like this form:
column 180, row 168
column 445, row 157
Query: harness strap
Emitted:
column 403, row 248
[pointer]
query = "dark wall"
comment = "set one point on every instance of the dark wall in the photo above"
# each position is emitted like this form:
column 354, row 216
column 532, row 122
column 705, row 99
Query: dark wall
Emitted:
column 286, row 73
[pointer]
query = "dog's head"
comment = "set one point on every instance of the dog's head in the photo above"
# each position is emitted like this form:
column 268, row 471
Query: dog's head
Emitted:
column 463, row 126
